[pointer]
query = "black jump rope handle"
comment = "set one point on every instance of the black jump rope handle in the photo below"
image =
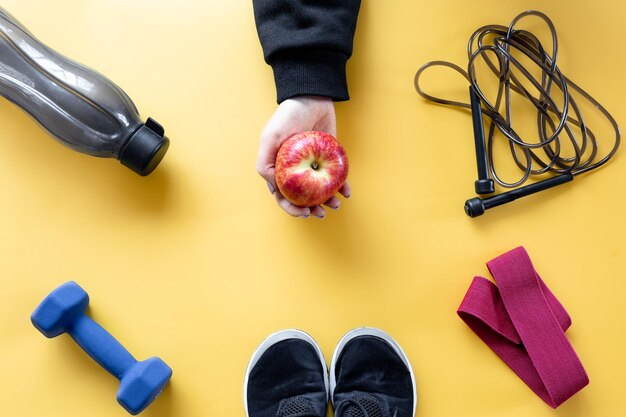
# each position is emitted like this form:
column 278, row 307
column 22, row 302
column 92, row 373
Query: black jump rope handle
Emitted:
column 484, row 184
column 475, row 207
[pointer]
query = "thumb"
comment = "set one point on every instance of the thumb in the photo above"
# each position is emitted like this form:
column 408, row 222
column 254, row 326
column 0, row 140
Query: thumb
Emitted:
column 268, row 174
column 266, row 159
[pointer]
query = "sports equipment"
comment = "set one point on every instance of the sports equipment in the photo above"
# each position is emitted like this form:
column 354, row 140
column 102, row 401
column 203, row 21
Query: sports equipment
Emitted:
column 63, row 311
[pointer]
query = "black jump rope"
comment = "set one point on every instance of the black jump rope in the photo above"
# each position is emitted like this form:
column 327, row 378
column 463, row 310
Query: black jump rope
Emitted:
column 556, row 122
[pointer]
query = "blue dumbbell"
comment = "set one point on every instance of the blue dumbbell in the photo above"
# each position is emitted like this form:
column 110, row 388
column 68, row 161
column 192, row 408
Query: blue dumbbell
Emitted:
column 63, row 311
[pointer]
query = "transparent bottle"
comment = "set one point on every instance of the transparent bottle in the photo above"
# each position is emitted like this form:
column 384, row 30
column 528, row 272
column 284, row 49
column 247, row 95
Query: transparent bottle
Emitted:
column 80, row 107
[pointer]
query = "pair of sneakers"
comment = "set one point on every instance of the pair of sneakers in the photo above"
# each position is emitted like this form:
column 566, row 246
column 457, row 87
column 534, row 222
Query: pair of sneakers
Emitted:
column 370, row 376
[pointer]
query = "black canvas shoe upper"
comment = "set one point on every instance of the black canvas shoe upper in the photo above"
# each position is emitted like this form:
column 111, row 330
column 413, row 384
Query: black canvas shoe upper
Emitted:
column 372, row 381
column 297, row 407
column 362, row 405
column 287, row 381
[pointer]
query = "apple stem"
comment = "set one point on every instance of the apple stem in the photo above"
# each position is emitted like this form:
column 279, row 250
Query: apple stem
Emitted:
column 315, row 166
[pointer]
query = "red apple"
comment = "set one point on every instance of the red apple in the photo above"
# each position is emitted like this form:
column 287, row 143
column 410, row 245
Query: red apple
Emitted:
column 310, row 168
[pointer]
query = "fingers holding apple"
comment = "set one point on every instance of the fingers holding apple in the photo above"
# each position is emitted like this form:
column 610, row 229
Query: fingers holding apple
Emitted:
column 294, row 115
column 311, row 167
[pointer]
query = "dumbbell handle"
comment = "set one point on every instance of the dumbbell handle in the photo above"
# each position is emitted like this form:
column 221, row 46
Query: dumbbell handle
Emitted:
column 101, row 346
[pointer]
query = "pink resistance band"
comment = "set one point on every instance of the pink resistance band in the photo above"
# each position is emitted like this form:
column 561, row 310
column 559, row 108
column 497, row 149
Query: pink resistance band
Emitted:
column 524, row 324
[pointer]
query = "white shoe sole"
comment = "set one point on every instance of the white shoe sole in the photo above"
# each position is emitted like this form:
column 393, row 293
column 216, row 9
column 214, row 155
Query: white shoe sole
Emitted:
column 370, row 331
column 270, row 341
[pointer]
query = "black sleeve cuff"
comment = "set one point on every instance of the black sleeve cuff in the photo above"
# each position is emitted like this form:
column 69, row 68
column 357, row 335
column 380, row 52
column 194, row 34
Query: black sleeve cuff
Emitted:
column 311, row 73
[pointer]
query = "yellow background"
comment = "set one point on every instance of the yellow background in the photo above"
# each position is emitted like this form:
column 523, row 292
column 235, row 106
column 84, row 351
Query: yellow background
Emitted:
column 197, row 264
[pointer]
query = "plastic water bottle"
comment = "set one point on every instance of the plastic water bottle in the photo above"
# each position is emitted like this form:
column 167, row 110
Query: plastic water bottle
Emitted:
column 80, row 107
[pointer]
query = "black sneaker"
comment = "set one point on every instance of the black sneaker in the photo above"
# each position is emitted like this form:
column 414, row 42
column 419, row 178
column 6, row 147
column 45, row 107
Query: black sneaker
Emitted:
column 286, row 377
column 370, row 376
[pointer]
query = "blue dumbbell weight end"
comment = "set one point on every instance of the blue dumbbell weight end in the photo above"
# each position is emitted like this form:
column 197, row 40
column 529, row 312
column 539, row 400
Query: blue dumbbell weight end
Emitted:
column 63, row 311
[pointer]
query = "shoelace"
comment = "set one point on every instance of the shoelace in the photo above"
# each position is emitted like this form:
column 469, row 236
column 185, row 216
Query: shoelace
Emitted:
column 363, row 405
column 296, row 407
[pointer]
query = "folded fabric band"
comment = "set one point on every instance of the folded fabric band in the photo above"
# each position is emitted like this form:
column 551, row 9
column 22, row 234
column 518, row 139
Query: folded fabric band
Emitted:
column 524, row 324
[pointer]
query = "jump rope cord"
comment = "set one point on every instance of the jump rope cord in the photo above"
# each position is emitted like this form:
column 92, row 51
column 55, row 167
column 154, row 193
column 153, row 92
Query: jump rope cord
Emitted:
column 556, row 122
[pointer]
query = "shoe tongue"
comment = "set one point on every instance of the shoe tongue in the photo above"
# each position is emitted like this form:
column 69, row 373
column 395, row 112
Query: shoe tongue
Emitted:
column 297, row 407
column 363, row 406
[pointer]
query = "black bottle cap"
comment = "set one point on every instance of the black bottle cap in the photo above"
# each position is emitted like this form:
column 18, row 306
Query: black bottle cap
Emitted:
column 474, row 207
column 145, row 148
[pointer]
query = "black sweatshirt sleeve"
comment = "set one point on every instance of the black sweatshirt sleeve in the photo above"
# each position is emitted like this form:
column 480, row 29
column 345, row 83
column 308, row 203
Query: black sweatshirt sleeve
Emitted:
column 307, row 43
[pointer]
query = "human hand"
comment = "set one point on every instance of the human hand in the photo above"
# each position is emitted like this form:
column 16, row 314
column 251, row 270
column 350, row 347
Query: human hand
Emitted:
column 295, row 115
